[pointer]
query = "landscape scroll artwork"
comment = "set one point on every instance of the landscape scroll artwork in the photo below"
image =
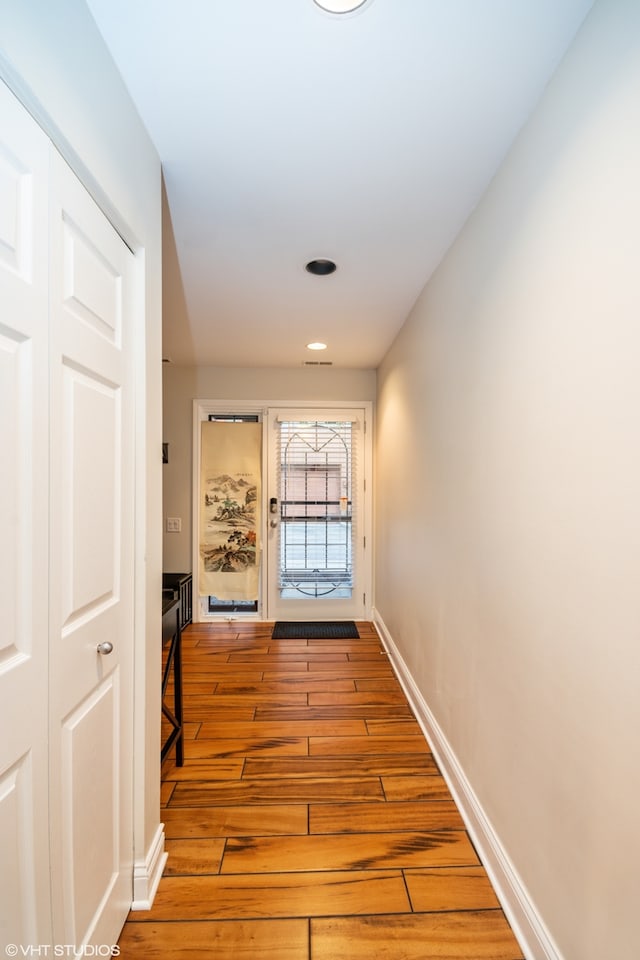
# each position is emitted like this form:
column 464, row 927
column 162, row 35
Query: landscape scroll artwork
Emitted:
column 230, row 469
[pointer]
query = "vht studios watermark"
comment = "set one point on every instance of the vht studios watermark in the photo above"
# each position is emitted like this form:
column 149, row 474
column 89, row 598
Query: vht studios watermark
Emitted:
column 61, row 950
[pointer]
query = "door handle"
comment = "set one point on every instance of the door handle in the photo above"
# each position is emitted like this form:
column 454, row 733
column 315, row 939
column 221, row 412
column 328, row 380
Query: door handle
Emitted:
column 105, row 648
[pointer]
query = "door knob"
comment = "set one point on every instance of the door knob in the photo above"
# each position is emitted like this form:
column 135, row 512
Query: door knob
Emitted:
column 104, row 648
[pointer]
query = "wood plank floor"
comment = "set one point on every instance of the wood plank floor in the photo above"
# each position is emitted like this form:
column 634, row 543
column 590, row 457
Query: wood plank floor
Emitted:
column 310, row 820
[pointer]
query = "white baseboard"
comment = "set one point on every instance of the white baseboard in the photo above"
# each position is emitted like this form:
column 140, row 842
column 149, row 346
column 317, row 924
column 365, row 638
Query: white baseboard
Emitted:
column 533, row 937
column 147, row 872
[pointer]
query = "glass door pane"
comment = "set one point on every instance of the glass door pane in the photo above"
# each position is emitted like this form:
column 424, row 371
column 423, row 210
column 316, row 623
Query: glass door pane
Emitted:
column 315, row 510
column 314, row 550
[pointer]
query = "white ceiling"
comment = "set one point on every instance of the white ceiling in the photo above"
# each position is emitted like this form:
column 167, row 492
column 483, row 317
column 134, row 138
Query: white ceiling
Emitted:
column 287, row 133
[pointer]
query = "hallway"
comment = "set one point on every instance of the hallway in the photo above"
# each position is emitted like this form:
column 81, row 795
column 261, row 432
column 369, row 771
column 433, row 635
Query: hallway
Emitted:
column 310, row 821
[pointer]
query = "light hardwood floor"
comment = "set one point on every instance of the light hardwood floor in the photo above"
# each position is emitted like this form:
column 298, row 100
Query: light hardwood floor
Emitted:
column 310, row 820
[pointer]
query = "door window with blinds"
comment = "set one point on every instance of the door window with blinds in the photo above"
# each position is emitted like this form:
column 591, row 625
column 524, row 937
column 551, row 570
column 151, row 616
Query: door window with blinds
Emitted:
column 317, row 513
column 316, row 509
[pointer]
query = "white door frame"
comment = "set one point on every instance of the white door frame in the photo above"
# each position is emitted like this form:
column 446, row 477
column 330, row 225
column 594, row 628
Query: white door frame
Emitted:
column 202, row 409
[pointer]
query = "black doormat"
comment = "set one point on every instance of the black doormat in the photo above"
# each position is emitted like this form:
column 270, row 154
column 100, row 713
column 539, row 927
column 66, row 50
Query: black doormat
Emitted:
column 314, row 630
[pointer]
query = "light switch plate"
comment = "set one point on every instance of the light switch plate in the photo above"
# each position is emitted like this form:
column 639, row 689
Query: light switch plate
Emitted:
column 174, row 525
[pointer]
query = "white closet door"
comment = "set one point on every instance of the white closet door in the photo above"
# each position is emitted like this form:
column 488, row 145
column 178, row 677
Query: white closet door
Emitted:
column 24, row 589
column 92, row 546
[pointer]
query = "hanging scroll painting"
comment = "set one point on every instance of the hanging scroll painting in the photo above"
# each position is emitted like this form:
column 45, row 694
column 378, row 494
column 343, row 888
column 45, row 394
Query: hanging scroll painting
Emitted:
column 230, row 471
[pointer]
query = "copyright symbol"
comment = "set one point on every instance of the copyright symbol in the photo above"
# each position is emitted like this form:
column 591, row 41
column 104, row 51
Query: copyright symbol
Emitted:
column 11, row 950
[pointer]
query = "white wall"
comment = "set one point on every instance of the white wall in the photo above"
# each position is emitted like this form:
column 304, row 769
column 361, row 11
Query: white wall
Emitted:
column 508, row 496
column 53, row 57
column 183, row 385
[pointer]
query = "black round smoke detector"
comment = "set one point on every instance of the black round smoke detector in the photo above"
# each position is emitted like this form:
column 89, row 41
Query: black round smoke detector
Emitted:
column 321, row 268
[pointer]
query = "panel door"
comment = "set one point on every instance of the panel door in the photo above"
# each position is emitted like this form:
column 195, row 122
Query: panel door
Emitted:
column 317, row 562
column 24, row 901
column 92, row 541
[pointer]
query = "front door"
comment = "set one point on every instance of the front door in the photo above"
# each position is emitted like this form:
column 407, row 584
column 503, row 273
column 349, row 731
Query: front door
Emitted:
column 91, row 567
column 317, row 557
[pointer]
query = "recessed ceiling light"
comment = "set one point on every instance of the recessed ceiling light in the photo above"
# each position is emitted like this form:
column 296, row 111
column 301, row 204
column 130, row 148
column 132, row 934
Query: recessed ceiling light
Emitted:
column 321, row 268
column 340, row 6
column 316, row 345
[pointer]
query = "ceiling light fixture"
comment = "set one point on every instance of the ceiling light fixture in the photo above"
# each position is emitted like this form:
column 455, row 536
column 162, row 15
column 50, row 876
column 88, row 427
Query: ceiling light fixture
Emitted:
column 316, row 345
column 321, row 268
column 340, row 6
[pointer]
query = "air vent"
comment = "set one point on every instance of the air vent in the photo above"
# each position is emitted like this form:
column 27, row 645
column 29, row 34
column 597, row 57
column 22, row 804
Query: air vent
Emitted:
column 318, row 363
